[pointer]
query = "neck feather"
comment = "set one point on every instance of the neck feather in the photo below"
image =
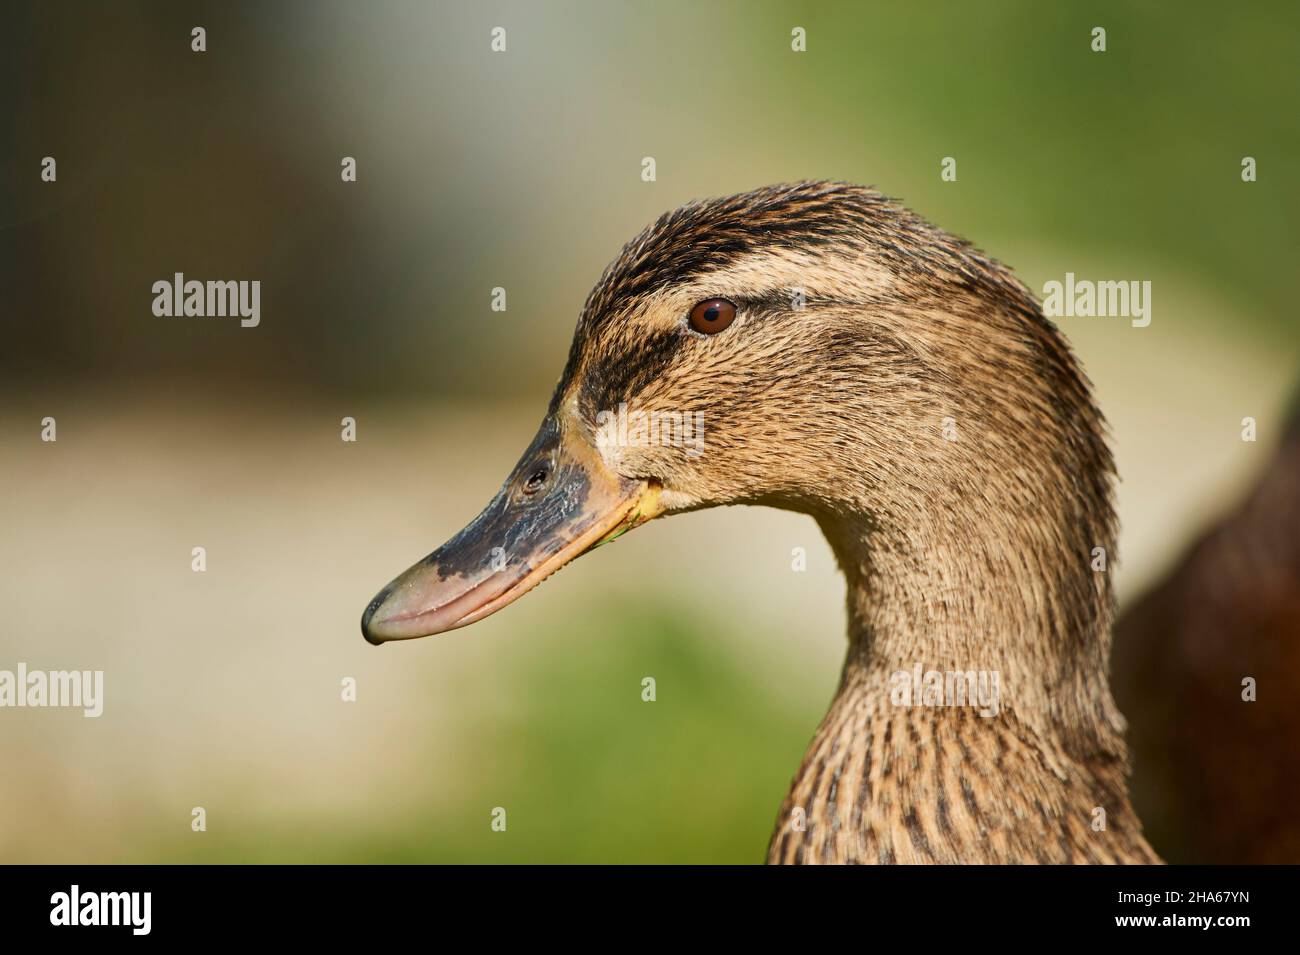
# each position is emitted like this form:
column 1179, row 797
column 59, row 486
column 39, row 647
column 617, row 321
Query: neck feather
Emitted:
column 973, row 721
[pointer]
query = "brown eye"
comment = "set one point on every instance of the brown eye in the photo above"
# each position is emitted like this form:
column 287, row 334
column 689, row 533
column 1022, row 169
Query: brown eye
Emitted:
column 712, row 316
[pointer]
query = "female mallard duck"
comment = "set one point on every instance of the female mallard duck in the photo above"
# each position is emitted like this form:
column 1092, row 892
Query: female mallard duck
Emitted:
column 1224, row 774
column 854, row 363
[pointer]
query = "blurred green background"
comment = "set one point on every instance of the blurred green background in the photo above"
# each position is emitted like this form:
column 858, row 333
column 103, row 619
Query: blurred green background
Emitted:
column 522, row 170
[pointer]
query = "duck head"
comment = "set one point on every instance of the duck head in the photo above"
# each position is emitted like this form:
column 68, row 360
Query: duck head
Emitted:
column 804, row 346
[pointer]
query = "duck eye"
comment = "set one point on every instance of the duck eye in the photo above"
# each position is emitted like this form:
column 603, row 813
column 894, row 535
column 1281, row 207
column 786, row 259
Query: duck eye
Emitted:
column 712, row 316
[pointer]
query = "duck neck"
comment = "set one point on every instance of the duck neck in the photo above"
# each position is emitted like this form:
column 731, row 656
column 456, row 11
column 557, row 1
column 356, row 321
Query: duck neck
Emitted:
column 973, row 720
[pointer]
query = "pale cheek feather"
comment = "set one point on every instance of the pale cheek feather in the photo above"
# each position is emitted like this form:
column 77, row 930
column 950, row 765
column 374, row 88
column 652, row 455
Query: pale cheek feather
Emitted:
column 677, row 500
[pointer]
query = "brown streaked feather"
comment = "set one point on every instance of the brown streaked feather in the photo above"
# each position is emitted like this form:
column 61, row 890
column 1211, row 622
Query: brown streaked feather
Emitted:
column 968, row 554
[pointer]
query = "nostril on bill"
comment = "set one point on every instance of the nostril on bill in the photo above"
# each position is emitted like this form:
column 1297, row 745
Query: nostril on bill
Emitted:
column 535, row 481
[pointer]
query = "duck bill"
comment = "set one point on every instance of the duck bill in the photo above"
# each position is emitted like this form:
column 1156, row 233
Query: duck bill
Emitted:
column 529, row 531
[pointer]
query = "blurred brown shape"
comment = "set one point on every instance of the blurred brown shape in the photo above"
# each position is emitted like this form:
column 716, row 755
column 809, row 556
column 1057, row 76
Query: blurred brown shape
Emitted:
column 1217, row 779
